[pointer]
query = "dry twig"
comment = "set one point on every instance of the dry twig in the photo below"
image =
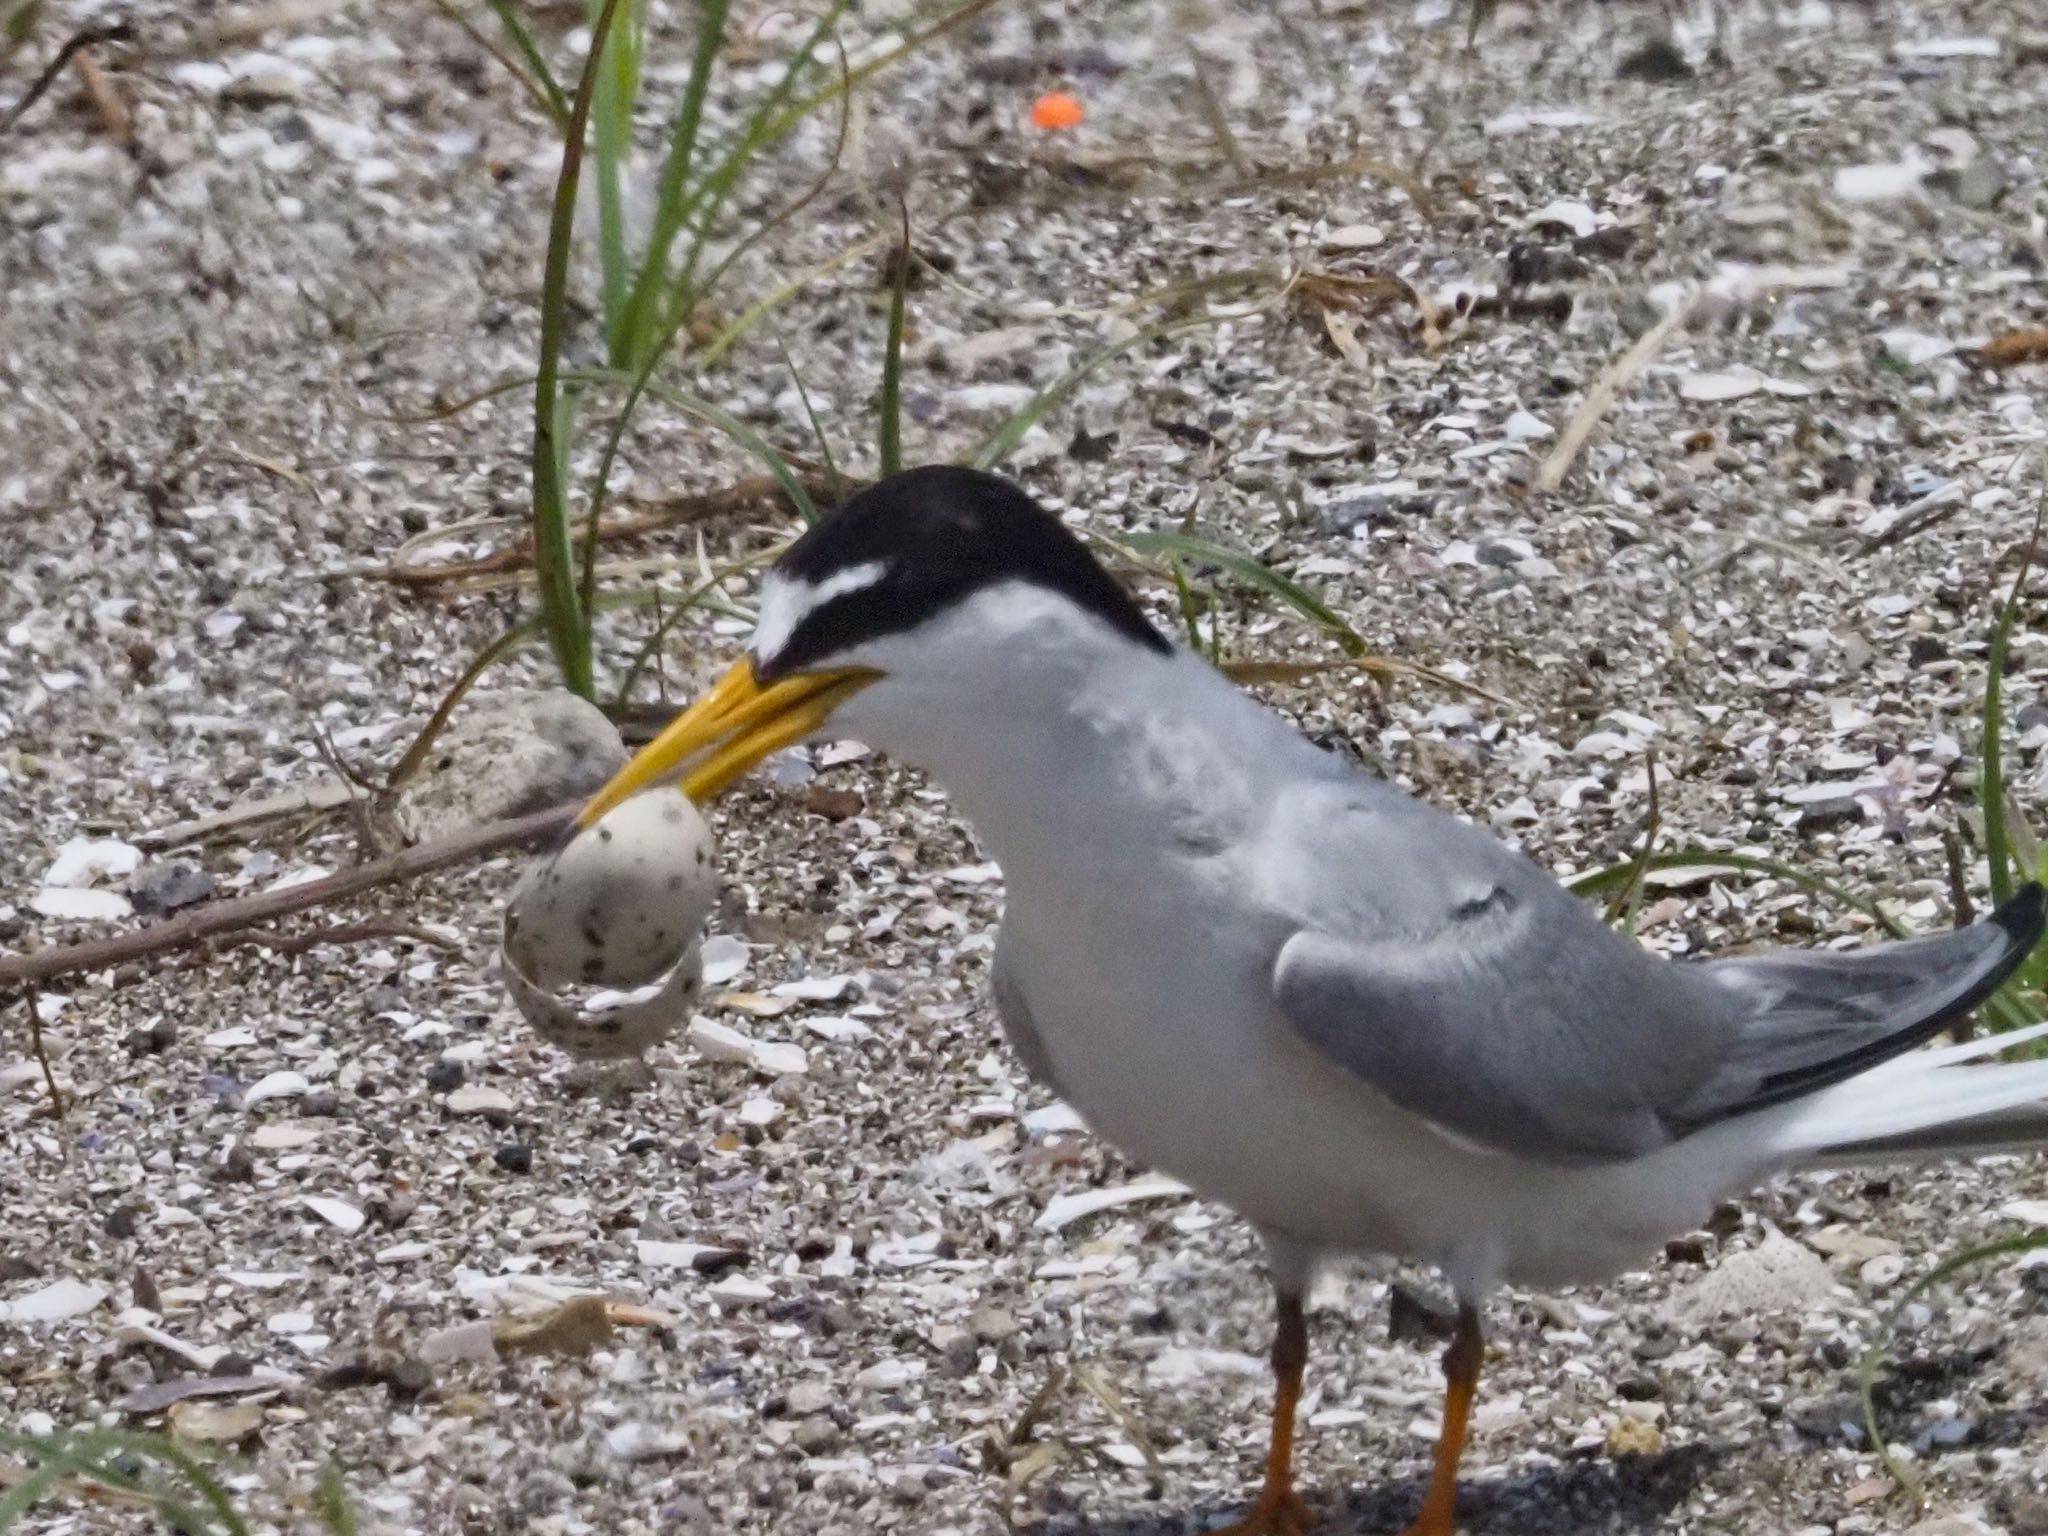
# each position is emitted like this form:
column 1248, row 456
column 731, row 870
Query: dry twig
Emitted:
column 677, row 509
column 106, row 100
column 42, row 1055
column 239, row 913
column 1619, row 375
column 75, row 44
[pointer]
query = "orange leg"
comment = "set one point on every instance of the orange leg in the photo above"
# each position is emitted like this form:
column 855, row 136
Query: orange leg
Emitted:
column 1461, row 1385
column 1279, row 1511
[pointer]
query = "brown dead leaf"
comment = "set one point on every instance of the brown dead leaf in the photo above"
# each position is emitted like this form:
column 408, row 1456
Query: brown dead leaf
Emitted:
column 576, row 1327
column 2015, row 347
column 833, row 804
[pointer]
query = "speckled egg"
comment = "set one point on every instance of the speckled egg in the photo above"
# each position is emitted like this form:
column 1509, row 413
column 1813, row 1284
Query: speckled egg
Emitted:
column 620, row 903
column 601, row 1024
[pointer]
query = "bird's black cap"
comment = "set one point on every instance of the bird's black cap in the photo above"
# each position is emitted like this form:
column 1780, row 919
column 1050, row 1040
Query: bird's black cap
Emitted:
column 938, row 534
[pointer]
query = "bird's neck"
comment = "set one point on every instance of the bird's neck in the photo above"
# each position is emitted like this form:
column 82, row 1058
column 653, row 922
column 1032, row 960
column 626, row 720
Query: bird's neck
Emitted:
column 1064, row 743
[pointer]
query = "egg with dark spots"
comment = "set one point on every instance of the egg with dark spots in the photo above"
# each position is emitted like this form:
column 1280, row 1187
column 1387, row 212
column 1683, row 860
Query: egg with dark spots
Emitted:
column 621, row 902
column 603, row 1023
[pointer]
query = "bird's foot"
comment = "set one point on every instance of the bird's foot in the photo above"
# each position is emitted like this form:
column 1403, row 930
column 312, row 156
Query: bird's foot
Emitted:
column 1278, row 1513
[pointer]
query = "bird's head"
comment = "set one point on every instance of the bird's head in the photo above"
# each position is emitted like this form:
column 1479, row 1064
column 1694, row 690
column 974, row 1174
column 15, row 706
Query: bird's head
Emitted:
column 927, row 597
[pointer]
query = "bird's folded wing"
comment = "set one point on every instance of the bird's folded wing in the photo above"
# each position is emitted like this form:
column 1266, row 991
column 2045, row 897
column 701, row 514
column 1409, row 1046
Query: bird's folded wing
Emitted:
column 1523, row 1025
column 1015, row 1014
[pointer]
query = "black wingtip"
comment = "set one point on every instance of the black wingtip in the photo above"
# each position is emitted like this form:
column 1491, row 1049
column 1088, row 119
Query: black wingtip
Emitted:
column 2022, row 918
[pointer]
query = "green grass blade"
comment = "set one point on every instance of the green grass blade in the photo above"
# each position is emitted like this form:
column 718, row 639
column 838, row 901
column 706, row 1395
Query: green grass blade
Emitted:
column 552, row 100
column 1627, row 906
column 959, row 16
column 1991, row 788
column 773, row 300
column 611, row 145
column 747, row 438
column 763, row 128
column 674, row 194
column 1254, row 573
column 554, row 557
column 32, row 1490
column 415, row 755
column 1615, row 876
column 330, row 1502
column 891, row 446
column 694, row 290
column 1190, row 614
column 832, row 476
column 699, row 596
column 1002, row 442
column 195, row 1472
column 537, row 84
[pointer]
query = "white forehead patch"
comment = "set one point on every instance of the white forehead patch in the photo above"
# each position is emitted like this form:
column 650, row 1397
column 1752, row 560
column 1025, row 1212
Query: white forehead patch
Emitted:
column 786, row 603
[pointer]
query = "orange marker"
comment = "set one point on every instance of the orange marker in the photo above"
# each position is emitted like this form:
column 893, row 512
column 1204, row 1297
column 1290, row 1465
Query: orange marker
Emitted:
column 1056, row 110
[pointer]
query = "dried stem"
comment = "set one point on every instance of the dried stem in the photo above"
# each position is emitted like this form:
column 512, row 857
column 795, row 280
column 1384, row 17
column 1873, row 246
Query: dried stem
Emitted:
column 677, row 509
column 338, row 933
column 40, row 86
column 1609, row 385
column 35, row 1040
column 239, row 913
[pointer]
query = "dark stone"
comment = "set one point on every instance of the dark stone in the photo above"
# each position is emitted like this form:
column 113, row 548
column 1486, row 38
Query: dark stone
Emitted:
column 1639, row 1389
column 720, row 1261
column 1827, row 815
column 1090, row 450
column 377, row 1367
column 321, row 1104
column 1414, row 1316
column 1658, row 61
column 395, row 1211
column 1344, row 516
column 121, row 1221
column 514, row 1157
column 166, row 887
column 1691, row 1249
column 1925, row 650
column 238, row 1167
column 1501, row 556
column 2029, row 1515
column 445, row 1076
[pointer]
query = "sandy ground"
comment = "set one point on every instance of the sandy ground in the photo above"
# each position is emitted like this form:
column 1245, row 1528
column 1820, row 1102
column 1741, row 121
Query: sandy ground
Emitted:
column 1773, row 565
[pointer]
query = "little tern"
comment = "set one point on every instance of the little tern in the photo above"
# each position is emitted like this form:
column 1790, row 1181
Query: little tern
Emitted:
column 1367, row 1026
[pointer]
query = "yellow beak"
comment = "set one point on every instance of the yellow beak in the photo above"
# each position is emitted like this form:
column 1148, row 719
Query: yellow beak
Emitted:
column 723, row 734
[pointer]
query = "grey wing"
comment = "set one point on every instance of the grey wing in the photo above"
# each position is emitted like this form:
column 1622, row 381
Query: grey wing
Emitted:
column 1471, row 989
column 1464, row 984
column 1015, row 1014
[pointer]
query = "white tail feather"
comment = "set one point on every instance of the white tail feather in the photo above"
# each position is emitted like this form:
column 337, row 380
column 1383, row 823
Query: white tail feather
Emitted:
column 1923, row 1091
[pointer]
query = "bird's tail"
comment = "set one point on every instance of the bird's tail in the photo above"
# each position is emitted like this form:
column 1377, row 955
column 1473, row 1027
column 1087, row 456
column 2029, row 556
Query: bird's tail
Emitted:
column 1958, row 1101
